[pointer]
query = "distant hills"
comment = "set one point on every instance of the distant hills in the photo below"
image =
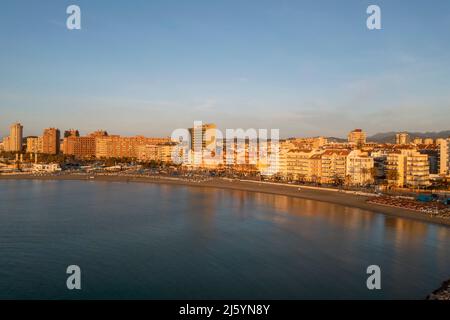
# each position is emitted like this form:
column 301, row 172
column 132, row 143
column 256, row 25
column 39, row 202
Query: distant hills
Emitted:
column 335, row 139
column 389, row 137
column 386, row 137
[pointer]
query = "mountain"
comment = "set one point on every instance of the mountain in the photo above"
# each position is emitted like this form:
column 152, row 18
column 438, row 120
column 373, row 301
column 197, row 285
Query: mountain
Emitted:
column 390, row 136
column 335, row 139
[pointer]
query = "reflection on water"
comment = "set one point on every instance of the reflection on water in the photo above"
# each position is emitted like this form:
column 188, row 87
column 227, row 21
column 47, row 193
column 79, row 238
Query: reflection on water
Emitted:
column 161, row 241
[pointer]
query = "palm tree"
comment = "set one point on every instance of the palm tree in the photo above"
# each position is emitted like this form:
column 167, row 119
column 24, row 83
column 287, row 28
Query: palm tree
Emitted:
column 364, row 172
column 337, row 180
column 392, row 174
column 373, row 173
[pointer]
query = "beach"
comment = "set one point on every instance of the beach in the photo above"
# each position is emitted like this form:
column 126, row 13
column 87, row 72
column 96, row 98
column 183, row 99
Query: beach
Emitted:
column 317, row 194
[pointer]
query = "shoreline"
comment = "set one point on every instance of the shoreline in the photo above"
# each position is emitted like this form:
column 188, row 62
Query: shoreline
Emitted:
column 316, row 194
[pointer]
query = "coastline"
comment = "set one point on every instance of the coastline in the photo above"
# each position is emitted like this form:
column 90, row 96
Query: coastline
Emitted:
column 317, row 194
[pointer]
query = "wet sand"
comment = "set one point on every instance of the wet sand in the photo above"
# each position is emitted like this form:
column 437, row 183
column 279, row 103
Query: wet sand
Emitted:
column 341, row 198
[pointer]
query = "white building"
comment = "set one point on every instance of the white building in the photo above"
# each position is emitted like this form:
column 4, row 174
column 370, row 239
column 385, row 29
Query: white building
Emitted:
column 360, row 168
column 44, row 167
column 444, row 156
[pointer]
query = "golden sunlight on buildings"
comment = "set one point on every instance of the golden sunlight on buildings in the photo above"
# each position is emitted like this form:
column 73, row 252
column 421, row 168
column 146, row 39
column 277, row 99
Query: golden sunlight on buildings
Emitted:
column 123, row 147
column 156, row 152
column 320, row 160
column 357, row 137
column 407, row 168
column 360, row 168
column 50, row 141
column 402, row 138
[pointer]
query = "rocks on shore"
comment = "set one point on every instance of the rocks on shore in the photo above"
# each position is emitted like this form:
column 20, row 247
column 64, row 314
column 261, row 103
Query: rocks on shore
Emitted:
column 443, row 293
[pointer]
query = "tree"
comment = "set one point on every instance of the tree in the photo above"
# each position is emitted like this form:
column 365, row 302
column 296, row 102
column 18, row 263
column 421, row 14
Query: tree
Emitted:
column 373, row 173
column 337, row 180
column 301, row 178
column 365, row 172
column 392, row 174
column 348, row 179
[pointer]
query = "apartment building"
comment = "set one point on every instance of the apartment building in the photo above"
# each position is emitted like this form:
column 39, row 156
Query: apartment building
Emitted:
column 444, row 157
column 417, row 170
column 34, row 144
column 81, row 147
column 203, row 138
column 432, row 151
column 156, row 152
column 396, row 168
column 241, row 151
column 299, row 164
column 333, row 166
column 115, row 146
column 407, row 168
column 6, row 144
column 309, row 143
column 357, row 137
column 316, row 167
column 360, row 168
column 166, row 150
column 15, row 137
column 282, row 165
column 50, row 141
column 402, row 138
column 148, row 152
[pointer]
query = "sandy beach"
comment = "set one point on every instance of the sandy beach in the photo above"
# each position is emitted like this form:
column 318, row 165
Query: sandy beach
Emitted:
column 350, row 200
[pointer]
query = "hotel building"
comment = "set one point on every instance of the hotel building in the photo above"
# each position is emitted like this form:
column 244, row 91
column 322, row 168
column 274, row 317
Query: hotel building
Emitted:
column 50, row 141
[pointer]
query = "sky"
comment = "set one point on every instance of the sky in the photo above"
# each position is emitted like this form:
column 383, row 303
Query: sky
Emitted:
column 148, row 67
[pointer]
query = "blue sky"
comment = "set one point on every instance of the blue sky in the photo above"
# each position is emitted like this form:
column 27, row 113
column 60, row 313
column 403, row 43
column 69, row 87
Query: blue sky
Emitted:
column 148, row 67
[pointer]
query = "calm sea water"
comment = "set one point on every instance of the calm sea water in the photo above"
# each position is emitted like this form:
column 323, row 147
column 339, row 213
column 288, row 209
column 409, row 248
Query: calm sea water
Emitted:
column 154, row 241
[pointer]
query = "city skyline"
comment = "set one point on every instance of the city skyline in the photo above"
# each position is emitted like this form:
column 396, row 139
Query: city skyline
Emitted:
column 305, row 68
column 343, row 136
column 411, row 161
